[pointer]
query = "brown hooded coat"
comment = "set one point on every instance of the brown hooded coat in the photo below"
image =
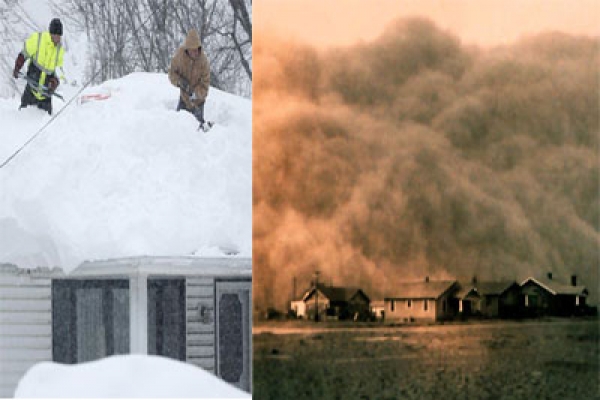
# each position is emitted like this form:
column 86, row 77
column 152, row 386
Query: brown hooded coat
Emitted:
column 195, row 71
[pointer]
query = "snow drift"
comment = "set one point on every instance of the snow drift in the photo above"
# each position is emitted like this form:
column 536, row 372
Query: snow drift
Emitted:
column 125, row 176
column 131, row 376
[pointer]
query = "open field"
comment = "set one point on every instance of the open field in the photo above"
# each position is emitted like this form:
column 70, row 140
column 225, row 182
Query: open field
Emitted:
column 555, row 359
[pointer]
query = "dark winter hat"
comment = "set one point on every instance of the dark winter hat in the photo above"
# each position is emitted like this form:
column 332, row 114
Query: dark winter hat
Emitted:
column 55, row 27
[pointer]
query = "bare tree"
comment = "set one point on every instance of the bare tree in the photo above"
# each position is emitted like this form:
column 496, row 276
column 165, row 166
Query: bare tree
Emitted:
column 16, row 25
column 143, row 35
column 241, row 18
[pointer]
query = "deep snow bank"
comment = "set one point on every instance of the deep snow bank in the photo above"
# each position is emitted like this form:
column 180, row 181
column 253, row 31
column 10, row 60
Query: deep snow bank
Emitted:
column 125, row 176
column 131, row 376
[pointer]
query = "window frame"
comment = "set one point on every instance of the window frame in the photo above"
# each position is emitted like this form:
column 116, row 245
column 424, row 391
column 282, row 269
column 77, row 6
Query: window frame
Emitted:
column 64, row 328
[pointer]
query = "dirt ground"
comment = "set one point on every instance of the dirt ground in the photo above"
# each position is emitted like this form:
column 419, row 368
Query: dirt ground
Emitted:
column 554, row 359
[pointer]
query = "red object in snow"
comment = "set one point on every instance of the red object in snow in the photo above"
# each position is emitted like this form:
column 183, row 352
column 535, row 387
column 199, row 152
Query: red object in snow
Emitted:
column 93, row 97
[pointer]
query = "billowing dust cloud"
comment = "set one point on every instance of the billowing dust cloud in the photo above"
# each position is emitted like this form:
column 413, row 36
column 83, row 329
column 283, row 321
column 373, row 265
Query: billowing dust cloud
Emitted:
column 415, row 155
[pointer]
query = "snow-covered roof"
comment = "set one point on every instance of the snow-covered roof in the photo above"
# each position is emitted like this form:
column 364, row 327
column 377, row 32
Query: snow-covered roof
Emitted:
column 164, row 266
column 125, row 176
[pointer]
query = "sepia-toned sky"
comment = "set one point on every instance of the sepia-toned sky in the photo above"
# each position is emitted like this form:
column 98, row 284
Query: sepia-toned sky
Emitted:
column 480, row 22
column 387, row 148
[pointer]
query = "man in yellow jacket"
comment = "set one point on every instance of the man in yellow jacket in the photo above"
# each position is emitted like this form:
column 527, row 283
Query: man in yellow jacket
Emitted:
column 45, row 55
column 190, row 72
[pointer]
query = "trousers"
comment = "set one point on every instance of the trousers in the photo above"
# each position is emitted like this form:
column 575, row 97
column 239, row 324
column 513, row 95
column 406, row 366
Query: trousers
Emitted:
column 28, row 99
column 198, row 112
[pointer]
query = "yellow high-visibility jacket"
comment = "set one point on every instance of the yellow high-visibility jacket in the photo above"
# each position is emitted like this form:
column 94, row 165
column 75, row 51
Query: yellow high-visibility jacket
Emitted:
column 43, row 54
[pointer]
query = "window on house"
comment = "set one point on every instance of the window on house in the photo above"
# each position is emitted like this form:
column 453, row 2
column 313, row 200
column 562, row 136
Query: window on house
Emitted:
column 233, row 336
column 409, row 303
column 393, row 305
column 90, row 319
column 425, row 304
column 166, row 318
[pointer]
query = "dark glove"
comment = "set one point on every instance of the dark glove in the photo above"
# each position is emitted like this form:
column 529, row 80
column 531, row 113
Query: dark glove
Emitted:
column 53, row 83
column 184, row 85
column 18, row 65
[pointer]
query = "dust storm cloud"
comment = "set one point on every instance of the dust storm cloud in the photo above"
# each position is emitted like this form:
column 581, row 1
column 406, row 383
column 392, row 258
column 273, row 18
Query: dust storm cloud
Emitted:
column 416, row 155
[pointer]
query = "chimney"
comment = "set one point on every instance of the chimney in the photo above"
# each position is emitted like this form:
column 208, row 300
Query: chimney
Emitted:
column 573, row 280
column 426, row 279
column 550, row 275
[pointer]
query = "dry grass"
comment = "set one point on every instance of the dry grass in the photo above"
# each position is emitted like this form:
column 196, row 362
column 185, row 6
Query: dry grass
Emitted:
column 531, row 360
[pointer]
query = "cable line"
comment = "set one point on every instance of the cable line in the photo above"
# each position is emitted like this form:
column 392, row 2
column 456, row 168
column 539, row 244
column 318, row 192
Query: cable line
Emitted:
column 32, row 138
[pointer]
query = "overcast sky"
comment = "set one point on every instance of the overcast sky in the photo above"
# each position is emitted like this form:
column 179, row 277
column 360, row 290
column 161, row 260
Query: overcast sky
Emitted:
column 481, row 22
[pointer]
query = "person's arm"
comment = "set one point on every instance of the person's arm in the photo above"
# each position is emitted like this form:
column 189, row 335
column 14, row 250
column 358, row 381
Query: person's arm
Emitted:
column 29, row 49
column 18, row 65
column 201, row 89
column 174, row 75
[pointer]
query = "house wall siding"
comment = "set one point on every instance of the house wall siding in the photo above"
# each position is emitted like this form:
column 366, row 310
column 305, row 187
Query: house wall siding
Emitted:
column 200, row 330
column 509, row 305
column 487, row 305
column 443, row 307
column 416, row 311
column 25, row 323
column 539, row 300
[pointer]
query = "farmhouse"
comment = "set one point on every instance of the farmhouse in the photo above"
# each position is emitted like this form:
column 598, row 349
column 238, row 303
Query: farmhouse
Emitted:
column 425, row 301
column 489, row 299
column 187, row 308
column 549, row 297
column 336, row 302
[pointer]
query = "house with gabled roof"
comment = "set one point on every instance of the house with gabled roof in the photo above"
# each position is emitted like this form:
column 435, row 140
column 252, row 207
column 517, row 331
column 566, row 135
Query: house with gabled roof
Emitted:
column 336, row 302
column 547, row 296
column 489, row 299
column 421, row 301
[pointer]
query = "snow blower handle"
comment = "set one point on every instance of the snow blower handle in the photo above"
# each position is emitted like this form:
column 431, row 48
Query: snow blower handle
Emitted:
column 43, row 89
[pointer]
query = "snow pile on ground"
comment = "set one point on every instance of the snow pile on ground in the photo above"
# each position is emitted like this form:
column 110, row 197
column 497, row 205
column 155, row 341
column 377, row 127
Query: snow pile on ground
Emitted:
column 125, row 176
column 130, row 376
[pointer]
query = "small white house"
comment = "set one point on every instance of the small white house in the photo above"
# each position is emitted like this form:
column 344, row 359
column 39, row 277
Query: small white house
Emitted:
column 299, row 308
column 420, row 301
column 192, row 309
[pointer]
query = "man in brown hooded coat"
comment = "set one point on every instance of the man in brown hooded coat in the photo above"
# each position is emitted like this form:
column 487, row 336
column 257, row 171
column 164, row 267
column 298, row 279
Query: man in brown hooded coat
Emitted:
column 190, row 72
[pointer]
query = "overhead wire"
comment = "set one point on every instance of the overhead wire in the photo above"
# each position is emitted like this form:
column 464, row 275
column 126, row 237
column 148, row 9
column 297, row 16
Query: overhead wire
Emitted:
column 53, row 118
